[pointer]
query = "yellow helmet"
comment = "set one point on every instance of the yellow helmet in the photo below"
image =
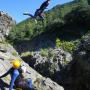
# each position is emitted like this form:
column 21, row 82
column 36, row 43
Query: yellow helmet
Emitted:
column 16, row 63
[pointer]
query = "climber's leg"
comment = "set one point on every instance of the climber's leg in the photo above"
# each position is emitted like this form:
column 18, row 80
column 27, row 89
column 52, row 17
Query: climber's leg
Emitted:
column 30, row 83
column 13, row 78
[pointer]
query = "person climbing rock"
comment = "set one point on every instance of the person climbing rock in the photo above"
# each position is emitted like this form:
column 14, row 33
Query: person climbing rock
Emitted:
column 40, row 12
column 21, row 82
column 17, row 78
column 14, row 72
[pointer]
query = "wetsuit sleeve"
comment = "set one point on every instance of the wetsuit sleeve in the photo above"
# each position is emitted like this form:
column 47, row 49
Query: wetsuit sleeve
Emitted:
column 20, row 70
column 8, row 72
column 44, row 5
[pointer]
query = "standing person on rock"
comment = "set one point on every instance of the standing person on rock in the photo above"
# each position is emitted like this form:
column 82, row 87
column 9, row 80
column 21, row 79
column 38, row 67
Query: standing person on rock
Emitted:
column 17, row 78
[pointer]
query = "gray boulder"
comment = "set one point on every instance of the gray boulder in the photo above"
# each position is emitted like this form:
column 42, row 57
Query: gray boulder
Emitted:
column 6, row 23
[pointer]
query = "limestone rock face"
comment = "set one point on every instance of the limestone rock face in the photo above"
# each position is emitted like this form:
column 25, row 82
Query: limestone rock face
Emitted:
column 6, row 23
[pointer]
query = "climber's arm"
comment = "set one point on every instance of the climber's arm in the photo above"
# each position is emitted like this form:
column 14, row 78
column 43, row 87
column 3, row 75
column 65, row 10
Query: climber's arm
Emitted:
column 8, row 72
column 43, row 5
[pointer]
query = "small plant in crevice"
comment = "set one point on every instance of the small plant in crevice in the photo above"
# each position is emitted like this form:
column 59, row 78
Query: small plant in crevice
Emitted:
column 44, row 52
column 25, row 54
column 14, row 53
column 58, row 43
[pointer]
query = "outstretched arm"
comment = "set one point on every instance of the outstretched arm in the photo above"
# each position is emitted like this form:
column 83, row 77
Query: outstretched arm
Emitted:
column 8, row 72
column 44, row 5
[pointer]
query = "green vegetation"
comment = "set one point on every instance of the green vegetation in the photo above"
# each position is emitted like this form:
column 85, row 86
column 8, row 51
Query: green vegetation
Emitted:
column 44, row 52
column 25, row 30
column 47, row 52
column 61, row 21
column 25, row 54
column 79, row 16
column 66, row 45
column 58, row 43
column 50, row 53
column 14, row 53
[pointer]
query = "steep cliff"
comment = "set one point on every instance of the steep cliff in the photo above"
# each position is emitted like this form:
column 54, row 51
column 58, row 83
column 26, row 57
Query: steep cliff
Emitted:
column 76, row 75
column 7, row 53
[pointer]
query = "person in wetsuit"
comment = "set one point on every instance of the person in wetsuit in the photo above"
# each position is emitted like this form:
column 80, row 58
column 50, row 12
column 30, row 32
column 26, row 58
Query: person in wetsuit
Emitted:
column 17, row 78
column 40, row 12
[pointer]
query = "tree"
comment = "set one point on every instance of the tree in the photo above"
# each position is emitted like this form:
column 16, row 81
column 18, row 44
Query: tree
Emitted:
column 82, row 1
column 79, row 16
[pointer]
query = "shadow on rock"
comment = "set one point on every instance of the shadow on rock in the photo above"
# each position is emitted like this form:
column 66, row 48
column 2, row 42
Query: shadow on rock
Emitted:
column 3, row 85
